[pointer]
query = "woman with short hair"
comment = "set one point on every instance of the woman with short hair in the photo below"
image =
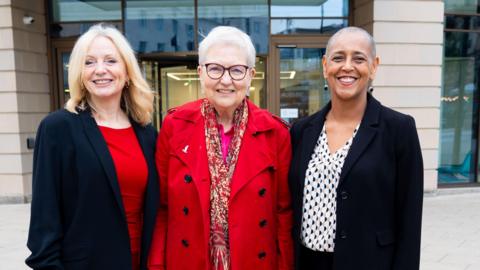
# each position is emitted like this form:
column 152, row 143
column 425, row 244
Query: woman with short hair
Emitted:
column 223, row 166
column 357, row 175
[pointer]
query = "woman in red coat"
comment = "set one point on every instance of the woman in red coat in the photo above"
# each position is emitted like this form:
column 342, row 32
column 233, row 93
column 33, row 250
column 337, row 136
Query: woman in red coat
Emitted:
column 223, row 165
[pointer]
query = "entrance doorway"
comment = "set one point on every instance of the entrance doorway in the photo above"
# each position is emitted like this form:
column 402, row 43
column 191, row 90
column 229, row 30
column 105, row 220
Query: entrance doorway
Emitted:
column 298, row 76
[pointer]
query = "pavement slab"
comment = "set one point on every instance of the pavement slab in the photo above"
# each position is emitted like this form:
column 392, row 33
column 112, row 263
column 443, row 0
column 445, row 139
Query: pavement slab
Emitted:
column 450, row 233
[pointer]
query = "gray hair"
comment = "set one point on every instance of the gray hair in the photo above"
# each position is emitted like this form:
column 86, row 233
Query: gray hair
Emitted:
column 353, row 29
column 227, row 35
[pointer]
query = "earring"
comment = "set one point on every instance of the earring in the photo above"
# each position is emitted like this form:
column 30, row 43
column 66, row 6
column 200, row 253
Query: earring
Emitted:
column 370, row 89
column 127, row 84
column 325, row 87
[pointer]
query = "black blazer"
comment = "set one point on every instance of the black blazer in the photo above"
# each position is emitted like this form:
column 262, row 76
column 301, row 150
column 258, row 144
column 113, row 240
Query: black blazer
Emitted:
column 77, row 215
column 380, row 193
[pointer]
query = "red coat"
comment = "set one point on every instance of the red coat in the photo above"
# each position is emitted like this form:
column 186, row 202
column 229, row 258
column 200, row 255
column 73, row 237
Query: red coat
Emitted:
column 260, row 215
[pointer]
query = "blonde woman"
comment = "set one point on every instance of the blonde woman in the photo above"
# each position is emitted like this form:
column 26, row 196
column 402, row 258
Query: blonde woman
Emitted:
column 95, row 186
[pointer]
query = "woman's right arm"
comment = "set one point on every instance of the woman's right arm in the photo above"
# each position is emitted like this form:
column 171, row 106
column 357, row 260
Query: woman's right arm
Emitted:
column 156, row 260
column 46, row 230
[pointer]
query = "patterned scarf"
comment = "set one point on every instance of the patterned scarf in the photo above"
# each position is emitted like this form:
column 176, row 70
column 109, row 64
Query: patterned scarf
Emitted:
column 221, row 175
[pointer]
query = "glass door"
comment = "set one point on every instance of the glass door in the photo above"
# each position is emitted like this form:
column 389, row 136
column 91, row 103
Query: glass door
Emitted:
column 299, row 78
column 179, row 85
column 61, row 50
column 174, row 82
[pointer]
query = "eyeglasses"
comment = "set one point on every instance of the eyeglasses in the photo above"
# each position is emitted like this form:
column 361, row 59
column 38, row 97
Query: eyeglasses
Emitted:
column 216, row 71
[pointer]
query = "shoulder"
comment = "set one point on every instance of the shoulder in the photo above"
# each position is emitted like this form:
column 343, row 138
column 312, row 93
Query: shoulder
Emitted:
column 58, row 126
column 301, row 123
column 58, row 119
column 396, row 119
column 186, row 109
column 263, row 117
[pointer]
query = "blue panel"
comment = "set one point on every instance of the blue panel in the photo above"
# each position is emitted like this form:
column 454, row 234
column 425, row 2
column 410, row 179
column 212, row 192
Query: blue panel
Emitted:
column 249, row 16
column 160, row 26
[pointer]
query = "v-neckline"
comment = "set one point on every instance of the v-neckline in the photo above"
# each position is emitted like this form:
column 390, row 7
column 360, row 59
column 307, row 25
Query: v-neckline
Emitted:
column 345, row 144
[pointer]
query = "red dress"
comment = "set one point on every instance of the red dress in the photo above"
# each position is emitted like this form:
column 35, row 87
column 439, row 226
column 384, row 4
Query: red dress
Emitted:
column 132, row 173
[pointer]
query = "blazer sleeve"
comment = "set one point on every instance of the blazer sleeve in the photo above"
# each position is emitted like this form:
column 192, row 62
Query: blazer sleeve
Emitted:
column 284, row 206
column 156, row 260
column 409, row 197
column 46, row 231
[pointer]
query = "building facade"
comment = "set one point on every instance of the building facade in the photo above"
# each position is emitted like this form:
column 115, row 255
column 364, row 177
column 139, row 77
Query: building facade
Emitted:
column 429, row 52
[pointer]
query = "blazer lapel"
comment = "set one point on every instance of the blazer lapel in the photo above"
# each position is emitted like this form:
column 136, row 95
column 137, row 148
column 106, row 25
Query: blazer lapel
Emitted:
column 99, row 145
column 308, row 141
column 365, row 134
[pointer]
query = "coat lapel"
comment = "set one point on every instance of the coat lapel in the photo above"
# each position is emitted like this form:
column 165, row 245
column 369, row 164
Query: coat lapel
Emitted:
column 99, row 145
column 365, row 134
column 253, row 157
column 190, row 148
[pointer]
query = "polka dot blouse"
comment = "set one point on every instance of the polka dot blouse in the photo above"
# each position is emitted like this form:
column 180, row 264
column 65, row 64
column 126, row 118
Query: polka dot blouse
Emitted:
column 320, row 194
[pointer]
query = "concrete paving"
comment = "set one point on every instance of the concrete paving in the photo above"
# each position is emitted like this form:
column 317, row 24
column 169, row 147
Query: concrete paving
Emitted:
column 450, row 235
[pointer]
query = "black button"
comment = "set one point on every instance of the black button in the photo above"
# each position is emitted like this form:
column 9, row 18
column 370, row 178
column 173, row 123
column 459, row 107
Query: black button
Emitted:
column 262, row 255
column 184, row 243
column 263, row 223
column 344, row 195
column 343, row 234
column 185, row 210
column 262, row 192
column 187, row 178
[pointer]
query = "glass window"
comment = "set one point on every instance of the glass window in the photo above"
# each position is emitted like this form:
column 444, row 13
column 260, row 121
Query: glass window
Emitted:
column 309, row 8
column 308, row 16
column 166, row 26
column 306, row 26
column 462, row 22
column 250, row 16
column 86, row 10
column 459, row 107
column 301, row 82
column 464, row 6
column 58, row 30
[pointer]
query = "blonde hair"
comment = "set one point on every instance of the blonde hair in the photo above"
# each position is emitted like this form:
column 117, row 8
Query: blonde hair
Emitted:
column 227, row 35
column 137, row 98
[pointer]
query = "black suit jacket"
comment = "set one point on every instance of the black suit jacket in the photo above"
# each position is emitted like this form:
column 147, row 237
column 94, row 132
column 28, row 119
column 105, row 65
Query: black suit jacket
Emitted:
column 77, row 215
column 380, row 193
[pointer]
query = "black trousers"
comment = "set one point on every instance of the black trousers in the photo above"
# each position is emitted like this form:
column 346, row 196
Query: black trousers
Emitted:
column 315, row 260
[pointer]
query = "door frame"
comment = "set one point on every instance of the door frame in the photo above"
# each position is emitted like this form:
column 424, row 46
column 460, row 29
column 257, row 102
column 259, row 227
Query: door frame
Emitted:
column 58, row 47
column 273, row 65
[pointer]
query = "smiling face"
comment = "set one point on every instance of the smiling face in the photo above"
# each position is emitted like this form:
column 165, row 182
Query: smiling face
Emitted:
column 349, row 66
column 104, row 73
column 224, row 93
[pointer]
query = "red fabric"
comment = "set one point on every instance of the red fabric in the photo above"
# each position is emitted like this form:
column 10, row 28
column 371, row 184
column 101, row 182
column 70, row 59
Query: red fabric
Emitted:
column 132, row 173
column 259, row 192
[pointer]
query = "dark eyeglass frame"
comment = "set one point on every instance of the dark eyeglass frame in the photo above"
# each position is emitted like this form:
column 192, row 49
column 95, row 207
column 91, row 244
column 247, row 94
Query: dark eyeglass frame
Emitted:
column 224, row 69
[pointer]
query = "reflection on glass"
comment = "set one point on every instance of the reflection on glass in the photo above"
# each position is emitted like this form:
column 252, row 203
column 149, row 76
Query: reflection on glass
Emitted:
column 58, row 30
column 464, row 6
column 459, row 107
column 257, row 89
column 150, row 71
column 180, row 85
column 462, row 22
column 309, row 8
column 86, row 10
column 65, row 59
column 301, row 82
column 160, row 26
column 306, row 26
column 249, row 16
